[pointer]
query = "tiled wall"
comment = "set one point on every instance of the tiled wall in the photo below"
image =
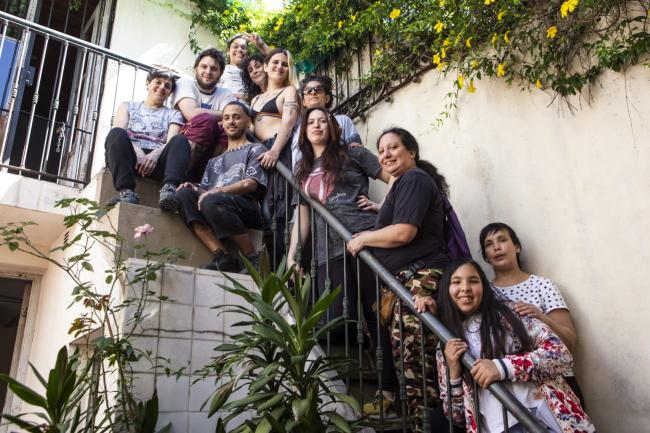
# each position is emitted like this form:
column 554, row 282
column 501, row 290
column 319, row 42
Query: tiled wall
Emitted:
column 185, row 330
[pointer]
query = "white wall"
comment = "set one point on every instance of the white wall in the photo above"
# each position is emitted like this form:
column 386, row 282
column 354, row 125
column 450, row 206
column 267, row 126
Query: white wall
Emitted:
column 152, row 33
column 576, row 187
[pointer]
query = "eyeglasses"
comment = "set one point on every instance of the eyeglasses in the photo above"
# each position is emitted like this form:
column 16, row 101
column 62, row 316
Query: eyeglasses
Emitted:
column 315, row 90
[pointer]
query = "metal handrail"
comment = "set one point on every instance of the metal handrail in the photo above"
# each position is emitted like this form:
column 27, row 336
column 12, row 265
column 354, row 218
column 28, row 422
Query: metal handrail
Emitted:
column 497, row 389
column 71, row 39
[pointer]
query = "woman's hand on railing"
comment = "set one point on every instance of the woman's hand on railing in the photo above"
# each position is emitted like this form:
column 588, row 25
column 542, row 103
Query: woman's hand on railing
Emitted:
column 424, row 303
column 454, row 349
column 269, row 158
column 365, row 204
column 356, row 244
column 485, row 372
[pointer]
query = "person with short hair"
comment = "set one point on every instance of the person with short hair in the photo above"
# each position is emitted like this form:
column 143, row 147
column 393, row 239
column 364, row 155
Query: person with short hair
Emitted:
column 201, row 102
column 144, row 142
column 533, row 295
column 226, row 203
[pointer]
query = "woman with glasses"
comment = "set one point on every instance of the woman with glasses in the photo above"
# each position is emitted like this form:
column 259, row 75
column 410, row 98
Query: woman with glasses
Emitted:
column 232, row 77
column 316, row 91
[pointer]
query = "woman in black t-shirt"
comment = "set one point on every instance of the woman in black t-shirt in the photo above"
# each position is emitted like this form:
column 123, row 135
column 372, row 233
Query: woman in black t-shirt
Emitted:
column 409, row 237
column 335, row 175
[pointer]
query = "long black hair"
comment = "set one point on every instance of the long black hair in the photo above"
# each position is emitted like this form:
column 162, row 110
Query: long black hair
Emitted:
column 250, row 89
column 334, row 156
column 411, row 144
column 497, row 320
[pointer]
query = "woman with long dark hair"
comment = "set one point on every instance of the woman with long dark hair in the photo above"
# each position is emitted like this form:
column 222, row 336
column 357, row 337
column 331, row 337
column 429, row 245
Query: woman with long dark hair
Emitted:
column 524, row 352
column 534, row 296
column 253, row 76
column 408, row 239
column 335, row 175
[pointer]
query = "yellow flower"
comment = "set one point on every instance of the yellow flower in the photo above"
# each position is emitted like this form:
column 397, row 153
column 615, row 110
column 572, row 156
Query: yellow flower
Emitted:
column 353, row 18
column 538, row 84
column 495, row 37
column 278, row 24
column 468, row 42
column 446, row 43
column 461, row 81
column 551, row 32
column 506, row 37
column 439, row 26
column 443, row 52
column 395, row 13
column 501, row 70
column 567, row 7
column 489, row 2
column 442, row 3
column 500, row 15
column 378, row 52
column 340, row 24
column 471, row 88
column 436, row 59
column 441, row 66
column 474, row 64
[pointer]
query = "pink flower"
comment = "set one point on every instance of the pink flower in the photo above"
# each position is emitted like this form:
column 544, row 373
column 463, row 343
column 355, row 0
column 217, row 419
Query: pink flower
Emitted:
column 141, row 231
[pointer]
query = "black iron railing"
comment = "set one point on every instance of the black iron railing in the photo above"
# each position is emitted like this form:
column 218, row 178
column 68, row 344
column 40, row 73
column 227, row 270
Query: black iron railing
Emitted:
column 385, row 278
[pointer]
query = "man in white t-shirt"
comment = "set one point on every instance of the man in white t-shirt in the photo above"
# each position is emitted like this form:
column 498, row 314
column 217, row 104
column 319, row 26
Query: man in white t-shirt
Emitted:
column 201, row 102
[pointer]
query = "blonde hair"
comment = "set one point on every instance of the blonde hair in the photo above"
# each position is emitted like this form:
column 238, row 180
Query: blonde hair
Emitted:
column 292, row 76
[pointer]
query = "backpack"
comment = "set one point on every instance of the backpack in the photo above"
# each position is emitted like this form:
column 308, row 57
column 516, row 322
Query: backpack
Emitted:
column 457, row 247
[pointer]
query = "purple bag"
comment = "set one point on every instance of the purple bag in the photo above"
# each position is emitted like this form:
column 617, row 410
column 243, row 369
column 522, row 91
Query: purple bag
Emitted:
column 457, row 247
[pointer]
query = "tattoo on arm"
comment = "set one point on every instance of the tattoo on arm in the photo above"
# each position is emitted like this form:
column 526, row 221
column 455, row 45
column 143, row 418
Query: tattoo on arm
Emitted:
column 290, row 105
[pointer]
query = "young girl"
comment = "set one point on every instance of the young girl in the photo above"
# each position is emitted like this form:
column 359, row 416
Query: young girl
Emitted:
column 523, row 352
column 534, row 296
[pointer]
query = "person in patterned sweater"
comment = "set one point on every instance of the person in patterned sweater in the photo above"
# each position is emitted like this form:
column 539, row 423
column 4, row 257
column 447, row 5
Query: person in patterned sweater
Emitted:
column 522, row 352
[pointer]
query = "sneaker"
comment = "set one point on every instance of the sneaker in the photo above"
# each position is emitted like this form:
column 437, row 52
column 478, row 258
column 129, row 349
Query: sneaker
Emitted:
column 126, row 196
column 380, row 400
column 254, row 259
column 223, row 262
column 168, row 201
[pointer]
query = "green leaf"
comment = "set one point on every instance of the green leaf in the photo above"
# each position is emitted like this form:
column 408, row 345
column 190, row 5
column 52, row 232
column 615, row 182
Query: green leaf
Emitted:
column 220, row 397
column 260, row 382
column 300, row 407
column 270, row 402
column 247, row 400
column 349, row 400
column 24, row 393
column 341, row 424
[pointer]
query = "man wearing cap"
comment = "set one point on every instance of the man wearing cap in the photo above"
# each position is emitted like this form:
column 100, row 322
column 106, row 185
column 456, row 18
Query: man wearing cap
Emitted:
column 145, row 142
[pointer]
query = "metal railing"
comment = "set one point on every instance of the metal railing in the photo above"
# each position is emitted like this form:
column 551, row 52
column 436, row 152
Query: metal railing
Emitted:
column 50, row 112
column 383, row 276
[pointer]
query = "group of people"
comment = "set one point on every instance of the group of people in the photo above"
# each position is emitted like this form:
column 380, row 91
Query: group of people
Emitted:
column 215, row 153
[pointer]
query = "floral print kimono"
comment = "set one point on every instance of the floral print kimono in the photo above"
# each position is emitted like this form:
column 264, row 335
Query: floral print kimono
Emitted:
column 543, row 366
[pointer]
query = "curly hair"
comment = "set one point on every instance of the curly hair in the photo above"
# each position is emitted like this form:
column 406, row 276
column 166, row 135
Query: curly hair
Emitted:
column 250, row 89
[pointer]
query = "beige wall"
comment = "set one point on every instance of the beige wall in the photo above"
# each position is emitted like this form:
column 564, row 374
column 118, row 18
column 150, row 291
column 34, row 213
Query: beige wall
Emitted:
column 576, row 187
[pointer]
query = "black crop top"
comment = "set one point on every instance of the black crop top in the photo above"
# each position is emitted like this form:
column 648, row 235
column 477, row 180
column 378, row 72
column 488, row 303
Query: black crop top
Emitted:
column 270, row 108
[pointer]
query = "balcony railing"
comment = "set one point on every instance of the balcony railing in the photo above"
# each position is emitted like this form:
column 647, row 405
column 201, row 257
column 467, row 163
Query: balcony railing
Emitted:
column 53, row 87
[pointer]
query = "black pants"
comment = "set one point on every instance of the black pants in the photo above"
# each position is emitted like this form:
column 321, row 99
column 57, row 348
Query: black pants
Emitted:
column 368, row 300
column 121, row 159
column 227, row 214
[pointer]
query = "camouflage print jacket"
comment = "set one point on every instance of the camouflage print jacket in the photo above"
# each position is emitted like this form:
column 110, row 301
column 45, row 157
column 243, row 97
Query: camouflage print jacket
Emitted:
column 543, row 366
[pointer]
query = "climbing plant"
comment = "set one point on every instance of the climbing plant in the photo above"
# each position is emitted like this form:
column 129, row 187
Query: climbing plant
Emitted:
column 559, row 46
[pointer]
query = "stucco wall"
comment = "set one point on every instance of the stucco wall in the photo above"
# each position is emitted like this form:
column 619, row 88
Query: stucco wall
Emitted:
column 576, row 187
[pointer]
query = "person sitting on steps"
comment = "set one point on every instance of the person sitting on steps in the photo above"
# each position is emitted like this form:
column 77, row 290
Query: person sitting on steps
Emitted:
column 145, row 142
column 226, row 203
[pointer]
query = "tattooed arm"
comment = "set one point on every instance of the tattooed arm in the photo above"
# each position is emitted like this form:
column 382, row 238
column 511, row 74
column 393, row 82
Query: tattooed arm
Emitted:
column 290, row 114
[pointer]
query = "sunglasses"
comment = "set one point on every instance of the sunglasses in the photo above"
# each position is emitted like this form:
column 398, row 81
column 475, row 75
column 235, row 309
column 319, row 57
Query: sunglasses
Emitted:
column 315, row 90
